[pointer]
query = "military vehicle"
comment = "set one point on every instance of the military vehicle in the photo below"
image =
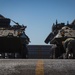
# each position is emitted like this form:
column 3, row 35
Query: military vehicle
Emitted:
column 13, row 38
column 62, row 39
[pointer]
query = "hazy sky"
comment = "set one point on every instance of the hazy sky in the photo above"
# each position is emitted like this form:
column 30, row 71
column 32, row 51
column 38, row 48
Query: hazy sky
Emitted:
column 38, row 15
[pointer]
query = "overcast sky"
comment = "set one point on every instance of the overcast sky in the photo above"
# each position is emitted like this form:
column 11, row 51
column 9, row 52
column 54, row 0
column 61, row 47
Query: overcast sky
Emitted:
column 38, row 15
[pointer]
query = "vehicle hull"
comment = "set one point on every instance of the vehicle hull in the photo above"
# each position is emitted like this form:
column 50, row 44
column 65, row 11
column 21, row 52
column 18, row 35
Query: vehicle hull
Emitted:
column 10, row 44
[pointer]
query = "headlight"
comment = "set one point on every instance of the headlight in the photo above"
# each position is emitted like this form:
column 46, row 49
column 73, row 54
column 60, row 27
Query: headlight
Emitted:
column 19, row 33
column 62, row 32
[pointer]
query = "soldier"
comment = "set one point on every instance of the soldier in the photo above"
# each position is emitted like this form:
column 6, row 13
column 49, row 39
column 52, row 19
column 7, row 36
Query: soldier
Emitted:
column 68, row 45
column 71, row 49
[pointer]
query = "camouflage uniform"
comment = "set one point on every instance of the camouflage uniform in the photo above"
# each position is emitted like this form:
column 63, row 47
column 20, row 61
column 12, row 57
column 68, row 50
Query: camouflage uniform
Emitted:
column 69, row 45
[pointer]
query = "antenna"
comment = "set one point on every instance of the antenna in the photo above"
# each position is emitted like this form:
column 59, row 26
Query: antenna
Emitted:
column 56, row 22
column 15, row 22
column 67, row 22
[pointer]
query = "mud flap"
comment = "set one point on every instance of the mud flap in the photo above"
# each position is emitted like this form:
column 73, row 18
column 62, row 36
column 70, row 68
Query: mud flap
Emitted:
column 24, row 52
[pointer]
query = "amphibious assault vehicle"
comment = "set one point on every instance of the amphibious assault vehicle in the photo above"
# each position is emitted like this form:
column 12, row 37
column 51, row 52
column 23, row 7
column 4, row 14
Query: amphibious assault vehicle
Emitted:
column 13, row 38
column 62, row 39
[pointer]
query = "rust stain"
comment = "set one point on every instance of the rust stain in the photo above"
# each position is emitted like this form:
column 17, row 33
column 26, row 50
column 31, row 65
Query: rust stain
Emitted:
column 39, row 68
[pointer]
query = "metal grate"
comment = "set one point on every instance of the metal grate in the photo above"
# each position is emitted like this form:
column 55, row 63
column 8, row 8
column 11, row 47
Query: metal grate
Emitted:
column 39, row 51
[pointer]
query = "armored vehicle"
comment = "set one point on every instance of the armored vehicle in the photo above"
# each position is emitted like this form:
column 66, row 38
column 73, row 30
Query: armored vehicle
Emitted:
column 13, row 38
column 62, row 39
